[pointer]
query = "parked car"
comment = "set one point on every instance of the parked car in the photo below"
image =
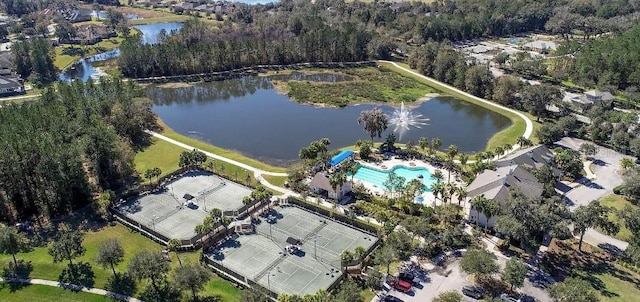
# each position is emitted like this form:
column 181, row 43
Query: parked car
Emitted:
column 409, row 277
column 506, row 297
column 402, row 286
column 390, row 298
column 473, row 292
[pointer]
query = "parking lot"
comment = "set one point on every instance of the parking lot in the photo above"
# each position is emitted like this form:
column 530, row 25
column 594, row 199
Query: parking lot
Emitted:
column 436, row 280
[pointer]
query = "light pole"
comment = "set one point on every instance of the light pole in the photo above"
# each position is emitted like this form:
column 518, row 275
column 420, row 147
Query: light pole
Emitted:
column 315, row 245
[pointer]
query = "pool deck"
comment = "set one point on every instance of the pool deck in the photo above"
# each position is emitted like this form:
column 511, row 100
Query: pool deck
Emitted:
column 385, row 165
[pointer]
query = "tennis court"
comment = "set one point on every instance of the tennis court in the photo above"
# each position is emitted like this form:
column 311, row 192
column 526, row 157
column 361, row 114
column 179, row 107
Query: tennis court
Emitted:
column 168, row 212
column 261, row 257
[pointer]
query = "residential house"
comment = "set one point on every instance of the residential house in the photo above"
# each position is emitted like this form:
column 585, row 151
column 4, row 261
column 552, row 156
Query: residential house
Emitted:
column 531, row 158
column 320, row 185
column 77, row 14
column 497, row 185
column 204, row 8
column 184, row 6
column 90, row 34
column 10, row 83
column 541, row 46
column 588, row 99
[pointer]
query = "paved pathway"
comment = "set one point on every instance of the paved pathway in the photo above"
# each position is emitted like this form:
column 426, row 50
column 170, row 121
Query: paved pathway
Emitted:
column 529, row 124
column 255, row 170
column 74, row 287
column 258, row 175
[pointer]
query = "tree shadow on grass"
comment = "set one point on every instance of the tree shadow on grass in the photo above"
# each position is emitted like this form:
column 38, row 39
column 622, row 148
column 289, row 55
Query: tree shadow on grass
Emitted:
column 77, row 274
column 214, row 298
column 165, row 292
column 22, row 271
column 121, row 283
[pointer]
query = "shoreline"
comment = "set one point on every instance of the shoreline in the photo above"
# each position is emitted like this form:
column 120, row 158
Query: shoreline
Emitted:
column 516, row 124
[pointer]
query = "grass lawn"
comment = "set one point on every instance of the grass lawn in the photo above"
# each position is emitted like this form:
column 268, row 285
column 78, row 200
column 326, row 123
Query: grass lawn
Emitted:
column 166, row 156
column 618, row 203
column 367, row 294
column 44, row 268
column 61, row 60
column 35, row 293
column 275, row 180
column 163, row 19
column 160, row 154
column 506, row 136
column 369, row 84
column 168, row 132
column 609, row 280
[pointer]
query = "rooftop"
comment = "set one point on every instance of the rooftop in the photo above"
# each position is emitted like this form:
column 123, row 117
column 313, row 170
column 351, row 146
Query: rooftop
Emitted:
column 497, row 184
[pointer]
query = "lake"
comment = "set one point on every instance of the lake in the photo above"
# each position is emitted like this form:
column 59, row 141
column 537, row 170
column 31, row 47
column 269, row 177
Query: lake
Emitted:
column 84, row 69
column 249, row 116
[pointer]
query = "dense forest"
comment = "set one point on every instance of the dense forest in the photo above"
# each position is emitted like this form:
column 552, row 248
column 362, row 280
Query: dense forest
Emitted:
column 612, row 61
column 76, row 141
column 198, row 48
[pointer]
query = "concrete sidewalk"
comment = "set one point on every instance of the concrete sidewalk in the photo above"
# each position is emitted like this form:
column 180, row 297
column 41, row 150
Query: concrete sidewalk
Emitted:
column 73, row 287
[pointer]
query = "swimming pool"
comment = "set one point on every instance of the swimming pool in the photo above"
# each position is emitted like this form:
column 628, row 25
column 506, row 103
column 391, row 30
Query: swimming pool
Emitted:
column 378, row 177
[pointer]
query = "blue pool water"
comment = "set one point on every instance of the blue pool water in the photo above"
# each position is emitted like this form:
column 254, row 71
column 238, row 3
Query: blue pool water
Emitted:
column 420, row 199
column 378, row 177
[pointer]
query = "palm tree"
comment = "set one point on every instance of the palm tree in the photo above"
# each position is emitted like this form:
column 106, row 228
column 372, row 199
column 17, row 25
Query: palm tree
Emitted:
column 346, row 257
column 436, row 143
column 172, row 246
column 336, row 181
column 490, row 209
column 462, row 194
column 452, row 151
column 359, row 252
column 423, row 143
column 351, row 167
column 627, row 164
column 524, row 142
column 507, row 147
column 479, row 203
column 498, row 150
column 463, row 157
column 490, row 155
column 436, row 189
column 438, row 176
column 450, row 165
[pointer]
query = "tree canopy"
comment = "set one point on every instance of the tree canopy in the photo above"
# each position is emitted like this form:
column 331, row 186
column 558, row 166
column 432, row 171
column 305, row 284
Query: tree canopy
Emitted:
column 76, row 138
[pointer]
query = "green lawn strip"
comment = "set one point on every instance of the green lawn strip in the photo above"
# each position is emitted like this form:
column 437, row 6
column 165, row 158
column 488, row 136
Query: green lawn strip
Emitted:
column 506, row 136
column 166, row 156
column 163, row 19
column 616, row 284
column 36, row 293
column 618, row 203
column 44, row 268
column 160, row 154
column 275, row 180
column 168, row 132
column 367, row 294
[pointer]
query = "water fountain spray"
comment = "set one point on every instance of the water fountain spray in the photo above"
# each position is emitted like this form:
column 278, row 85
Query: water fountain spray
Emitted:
column 403, row 119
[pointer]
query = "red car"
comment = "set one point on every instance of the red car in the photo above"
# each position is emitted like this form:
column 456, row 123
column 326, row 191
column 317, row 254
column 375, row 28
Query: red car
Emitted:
column 402, row 286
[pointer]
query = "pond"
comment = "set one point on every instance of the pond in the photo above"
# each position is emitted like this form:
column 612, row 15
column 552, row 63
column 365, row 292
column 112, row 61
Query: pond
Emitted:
column 249, row 116
column 85, row 69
